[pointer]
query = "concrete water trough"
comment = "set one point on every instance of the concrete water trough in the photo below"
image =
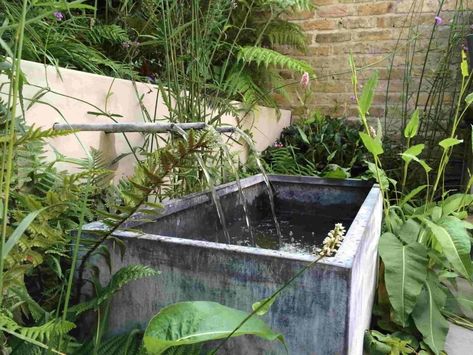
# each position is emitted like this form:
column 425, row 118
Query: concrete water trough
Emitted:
column 325, row 311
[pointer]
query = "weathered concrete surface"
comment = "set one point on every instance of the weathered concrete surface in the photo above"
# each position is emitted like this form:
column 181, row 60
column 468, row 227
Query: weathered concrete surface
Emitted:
column 325, row 311
column 459, row 341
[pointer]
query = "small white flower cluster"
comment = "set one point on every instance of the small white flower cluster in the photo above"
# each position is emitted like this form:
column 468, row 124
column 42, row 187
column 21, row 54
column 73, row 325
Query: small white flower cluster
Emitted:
column 333, row 241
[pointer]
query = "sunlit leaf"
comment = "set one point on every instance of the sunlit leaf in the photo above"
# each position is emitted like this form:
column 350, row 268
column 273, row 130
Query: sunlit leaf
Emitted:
column 405, row 273
column 366, row 98
column 373, row 145
column 412, row 126
column 195, row 322
column 450, row 142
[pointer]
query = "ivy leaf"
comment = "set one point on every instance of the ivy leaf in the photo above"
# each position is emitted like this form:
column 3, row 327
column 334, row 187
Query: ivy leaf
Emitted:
column 373, row 145
column 405, row 273
column 366, row 98
column 187, row 323
column 428, row 317
column 412, row 126
column 450, row 142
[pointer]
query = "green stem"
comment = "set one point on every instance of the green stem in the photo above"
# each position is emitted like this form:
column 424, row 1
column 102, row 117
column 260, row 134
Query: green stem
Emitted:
column 11, row 143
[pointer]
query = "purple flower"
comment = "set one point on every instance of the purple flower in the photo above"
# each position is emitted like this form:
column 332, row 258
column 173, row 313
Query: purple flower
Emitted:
column 438, row 20
column 465, row 47
column 353, row 98
column 58, row 15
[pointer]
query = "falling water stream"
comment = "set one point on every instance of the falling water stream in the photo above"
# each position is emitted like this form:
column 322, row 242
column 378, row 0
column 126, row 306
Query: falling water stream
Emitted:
column 252, row 147
column 213, row 191
column 228, row 155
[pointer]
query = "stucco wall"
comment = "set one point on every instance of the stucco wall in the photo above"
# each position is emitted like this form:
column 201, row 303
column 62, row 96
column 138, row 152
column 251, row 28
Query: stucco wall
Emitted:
column 64, row 95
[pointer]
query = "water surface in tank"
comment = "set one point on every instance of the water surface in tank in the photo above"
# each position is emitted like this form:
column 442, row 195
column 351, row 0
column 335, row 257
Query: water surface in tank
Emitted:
column 302, row 230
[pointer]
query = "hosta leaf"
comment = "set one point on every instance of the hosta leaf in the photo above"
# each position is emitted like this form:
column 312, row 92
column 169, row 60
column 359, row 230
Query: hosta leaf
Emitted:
column 454, row 241
column 195, row 322
column 405, row 273
column 427, row 316
column 412, row 126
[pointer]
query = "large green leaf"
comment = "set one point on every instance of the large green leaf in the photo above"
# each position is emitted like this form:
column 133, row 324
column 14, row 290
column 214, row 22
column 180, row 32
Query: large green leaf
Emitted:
column 367, row 95
column 427, row 316
column 373, row 145
column 195, row 322
column 415, row 150
column 409, row 231
column 456, row 202
column 452, row 236
column 405, row 273
column 449, row 142
column 412, row 126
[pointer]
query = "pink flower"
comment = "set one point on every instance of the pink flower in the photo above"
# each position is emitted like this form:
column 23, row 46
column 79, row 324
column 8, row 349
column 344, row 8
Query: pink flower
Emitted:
column 438, row 20
column 305, row 80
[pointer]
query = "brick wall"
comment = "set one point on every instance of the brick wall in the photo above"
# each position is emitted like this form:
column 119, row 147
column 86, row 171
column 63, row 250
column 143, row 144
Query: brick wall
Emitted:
column 370, row 29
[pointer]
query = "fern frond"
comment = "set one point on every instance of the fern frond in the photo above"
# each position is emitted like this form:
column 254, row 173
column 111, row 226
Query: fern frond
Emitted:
column 123, row 344
column 280, row 32
column 118, row 280
column 38, row 334
column 35, row 134
column 268, row 57
column 283, row 161
column 102, row 34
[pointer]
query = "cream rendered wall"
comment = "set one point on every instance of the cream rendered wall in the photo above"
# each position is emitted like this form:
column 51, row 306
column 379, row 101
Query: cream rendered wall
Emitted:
column 65, row 95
